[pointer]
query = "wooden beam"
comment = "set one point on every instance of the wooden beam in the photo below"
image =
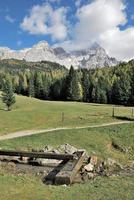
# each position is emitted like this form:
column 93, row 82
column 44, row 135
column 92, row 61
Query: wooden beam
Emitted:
column 69, row 171
column 37, row 155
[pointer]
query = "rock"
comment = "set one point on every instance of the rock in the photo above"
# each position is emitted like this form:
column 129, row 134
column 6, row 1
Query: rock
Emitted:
column 110, row 162
column 67, row 148
column 84, row 176
column 45, row 162
column 89, row 167
column 101, row 169
column 56, row 151
column 90, row 175
column 47, row 149
column 119, row 148
column 93, row 160
column 24, row 159
column 48, row 182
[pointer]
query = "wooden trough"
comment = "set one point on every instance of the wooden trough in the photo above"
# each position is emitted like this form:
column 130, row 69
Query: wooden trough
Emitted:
column 70, row 166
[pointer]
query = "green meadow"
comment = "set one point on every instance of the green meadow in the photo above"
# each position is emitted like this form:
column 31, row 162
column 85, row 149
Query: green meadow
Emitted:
column 30, row 113
column 94, row 140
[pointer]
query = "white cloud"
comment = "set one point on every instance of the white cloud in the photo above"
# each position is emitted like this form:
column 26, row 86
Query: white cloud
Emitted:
column 45, row 20
column 100, row 22
column 9, row 19
column 119, row 44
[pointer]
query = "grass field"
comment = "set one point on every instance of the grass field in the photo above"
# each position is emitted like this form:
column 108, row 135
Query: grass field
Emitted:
column 31, row 188
column 97, row 140
column 30, row 113
column 35, row 114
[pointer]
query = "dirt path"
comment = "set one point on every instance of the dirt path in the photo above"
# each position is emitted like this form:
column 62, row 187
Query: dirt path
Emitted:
column 33, row 132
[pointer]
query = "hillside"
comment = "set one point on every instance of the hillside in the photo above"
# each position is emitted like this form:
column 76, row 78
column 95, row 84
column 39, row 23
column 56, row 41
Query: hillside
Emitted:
column 51, row 81
column 16, row 65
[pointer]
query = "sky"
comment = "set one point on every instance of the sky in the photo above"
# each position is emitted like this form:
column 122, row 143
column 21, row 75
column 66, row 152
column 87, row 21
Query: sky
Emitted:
column 71, row 24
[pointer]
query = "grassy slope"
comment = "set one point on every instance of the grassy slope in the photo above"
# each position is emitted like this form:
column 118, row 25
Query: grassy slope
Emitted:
column 29, row 188
column 36, row 114
column 31, row 113
column 97, row 140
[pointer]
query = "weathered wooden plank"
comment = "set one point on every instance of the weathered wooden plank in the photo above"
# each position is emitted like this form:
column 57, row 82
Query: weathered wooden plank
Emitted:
column 69, row 171
column 37, row 155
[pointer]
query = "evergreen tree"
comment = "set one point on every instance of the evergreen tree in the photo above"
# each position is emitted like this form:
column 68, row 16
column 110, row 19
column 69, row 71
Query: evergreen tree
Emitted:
column 74, row 88
column 57, row 90
column 46, row 86
column 38, row 83
column 86, row 86
column 121, row 90
column 99, row 95
column 132, row 89
column 8, row 96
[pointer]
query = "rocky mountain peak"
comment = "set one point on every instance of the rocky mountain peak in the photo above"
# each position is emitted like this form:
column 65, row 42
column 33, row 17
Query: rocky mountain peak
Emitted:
column 93, row 57
column 95, row 46
column 41, row 45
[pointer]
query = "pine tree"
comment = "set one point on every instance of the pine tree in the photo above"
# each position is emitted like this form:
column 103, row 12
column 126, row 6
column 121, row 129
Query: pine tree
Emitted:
column 8, row 96
column 86, row 86
column 132, row 89
column 38, row 83
column 121, row 90
column 46, row 86
column 74, row 88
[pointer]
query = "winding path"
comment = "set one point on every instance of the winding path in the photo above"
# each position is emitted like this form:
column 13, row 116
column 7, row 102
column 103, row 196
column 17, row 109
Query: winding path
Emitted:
column 33, row 132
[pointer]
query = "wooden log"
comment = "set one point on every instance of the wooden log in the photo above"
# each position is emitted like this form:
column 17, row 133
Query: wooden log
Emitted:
column 70, row 170
column 37, row 155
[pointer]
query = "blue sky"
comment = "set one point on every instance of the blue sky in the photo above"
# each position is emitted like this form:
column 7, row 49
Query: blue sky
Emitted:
column 72, row 24
column 11, row 34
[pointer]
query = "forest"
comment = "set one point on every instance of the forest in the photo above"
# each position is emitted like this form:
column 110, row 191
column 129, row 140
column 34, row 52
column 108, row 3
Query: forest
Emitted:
column 51, row 81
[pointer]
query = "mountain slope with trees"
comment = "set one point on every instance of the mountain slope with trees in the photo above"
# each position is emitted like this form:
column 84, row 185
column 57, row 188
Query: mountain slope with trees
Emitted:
column 45, row 80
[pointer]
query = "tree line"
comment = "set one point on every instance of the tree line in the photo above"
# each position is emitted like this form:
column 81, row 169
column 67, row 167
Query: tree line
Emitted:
column 112, row 85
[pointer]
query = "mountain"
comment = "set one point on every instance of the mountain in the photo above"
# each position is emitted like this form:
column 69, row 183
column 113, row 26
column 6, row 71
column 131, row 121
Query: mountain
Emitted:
column 93, row 57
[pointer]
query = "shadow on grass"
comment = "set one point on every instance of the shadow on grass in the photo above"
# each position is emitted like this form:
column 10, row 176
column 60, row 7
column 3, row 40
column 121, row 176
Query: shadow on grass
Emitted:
column 3, row 109
column 124, row 118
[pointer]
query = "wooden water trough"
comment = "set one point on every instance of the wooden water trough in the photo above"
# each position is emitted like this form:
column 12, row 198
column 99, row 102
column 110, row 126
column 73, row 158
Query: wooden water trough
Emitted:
column 70, row 166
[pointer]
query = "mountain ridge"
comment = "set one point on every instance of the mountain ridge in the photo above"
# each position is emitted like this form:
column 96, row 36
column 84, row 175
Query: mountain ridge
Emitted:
column 93, row 57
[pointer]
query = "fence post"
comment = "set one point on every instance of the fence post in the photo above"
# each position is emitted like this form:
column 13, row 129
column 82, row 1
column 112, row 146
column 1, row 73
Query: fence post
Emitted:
column 62, row 118
column 113, row 113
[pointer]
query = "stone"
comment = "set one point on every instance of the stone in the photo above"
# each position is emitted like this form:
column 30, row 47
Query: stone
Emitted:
column 85, row 177
column 93, row 160
column 47, row 149
column 44, row 162
column 24, row 159
column 67, row 148
column 56, row 151
column 90, row 175
column 110, row 162
column 89, row 167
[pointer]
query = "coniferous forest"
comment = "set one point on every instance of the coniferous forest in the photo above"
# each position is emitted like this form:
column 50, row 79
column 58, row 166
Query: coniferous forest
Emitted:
column 51, row 81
